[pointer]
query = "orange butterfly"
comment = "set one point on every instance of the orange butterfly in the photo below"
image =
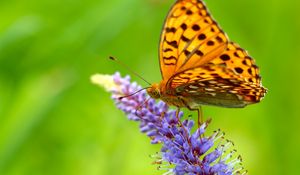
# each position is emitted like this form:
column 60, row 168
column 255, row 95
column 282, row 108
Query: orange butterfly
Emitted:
column 200, row 66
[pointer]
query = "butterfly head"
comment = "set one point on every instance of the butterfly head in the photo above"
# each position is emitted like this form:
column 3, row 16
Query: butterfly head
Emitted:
column 154, row 91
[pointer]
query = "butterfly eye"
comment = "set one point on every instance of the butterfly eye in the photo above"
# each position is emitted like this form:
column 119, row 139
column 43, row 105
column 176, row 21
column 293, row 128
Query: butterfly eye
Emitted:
column 154, row 92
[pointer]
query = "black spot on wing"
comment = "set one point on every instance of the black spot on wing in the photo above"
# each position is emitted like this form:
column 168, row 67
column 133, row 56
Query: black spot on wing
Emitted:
column 210, row 43
column 225, row 57
column 185, row 39
column 170, row 58
column 238, row 70
column 167, row 50
column 189, row 12
column 171, row 30
column 173, row 44
column 186, row 52
column 201, row 36
column 196, row 27
column 183, row 26
column 199, row 53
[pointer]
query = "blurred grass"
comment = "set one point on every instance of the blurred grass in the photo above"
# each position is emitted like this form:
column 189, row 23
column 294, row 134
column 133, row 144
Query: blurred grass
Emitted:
column 54, row 121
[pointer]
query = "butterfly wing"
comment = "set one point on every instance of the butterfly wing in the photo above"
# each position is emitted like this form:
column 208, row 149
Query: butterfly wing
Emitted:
column 190, row 37
column 230, row 80
column 199, row 64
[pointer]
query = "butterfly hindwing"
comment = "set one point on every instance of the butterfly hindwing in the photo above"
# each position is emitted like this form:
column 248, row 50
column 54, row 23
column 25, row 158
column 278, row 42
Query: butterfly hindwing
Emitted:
column 238, row 60
column 232, row 72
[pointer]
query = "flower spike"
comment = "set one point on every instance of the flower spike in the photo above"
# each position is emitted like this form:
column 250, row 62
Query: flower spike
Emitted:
column 180, row 154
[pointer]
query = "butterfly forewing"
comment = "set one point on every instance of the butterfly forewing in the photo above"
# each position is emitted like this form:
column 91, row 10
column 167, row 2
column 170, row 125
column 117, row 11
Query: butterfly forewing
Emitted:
column 190, row 37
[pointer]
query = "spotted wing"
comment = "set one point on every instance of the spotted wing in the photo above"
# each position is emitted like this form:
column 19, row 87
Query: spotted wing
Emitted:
column 190, row 38
column 232, row 78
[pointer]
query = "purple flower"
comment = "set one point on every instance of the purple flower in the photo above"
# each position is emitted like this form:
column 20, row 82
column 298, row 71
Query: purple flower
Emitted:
column 183, row 151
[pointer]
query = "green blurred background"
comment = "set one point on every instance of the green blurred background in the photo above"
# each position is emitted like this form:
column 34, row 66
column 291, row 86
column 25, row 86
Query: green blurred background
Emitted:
column 54, row 121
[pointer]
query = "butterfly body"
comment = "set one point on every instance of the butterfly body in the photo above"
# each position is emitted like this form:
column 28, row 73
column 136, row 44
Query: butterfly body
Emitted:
column 200, row 65
column 157, row 91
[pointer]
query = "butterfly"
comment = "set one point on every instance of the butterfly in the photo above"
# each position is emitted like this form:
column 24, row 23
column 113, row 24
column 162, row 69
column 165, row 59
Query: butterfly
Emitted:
column 200, row 65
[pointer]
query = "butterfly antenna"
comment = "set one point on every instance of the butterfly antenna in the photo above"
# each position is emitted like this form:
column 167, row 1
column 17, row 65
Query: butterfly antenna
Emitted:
column 120, row 98
column 124, row 65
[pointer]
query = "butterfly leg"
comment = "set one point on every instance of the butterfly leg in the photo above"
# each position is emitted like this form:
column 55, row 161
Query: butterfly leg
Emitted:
column 181, row 125
column 200, row 114
column 199, row 111
column 177, row 116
